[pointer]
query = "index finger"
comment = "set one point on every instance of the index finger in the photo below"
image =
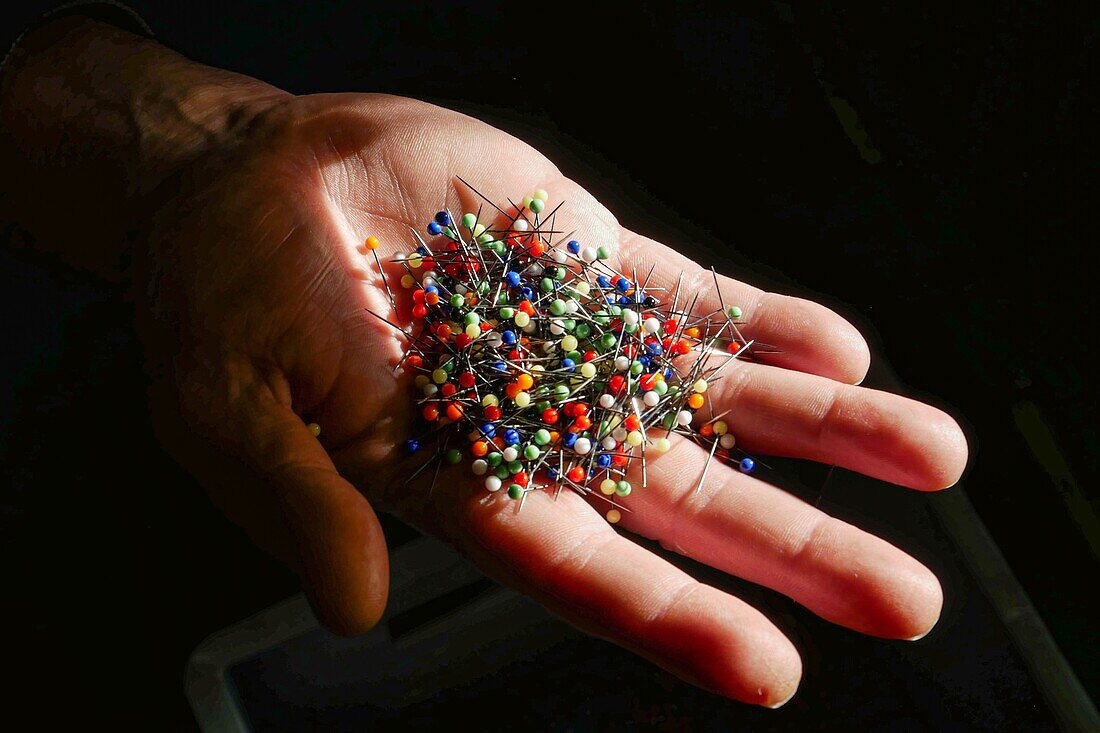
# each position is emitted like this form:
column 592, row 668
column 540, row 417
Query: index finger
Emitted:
column 811, row 338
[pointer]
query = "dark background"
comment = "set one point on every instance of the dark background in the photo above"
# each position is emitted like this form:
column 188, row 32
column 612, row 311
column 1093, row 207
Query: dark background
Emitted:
column 929, row 172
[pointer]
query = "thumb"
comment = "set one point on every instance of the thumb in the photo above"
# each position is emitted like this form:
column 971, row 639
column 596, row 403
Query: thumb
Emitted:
column 340, row 548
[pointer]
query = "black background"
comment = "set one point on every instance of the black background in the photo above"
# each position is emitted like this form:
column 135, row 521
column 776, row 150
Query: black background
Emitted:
column 929, row 172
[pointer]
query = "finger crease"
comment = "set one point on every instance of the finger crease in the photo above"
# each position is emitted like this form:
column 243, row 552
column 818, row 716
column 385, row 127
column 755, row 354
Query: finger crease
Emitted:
column 674, row 600
column 735, row 383
column 806, row 545
column 579, row 555
column 829, row 414
column 685, row 511
column 755, row 308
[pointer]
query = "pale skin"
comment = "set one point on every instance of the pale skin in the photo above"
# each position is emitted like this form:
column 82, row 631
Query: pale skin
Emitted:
column 251, row 206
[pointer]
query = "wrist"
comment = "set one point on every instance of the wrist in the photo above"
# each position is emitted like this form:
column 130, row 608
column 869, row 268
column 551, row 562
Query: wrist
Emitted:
column 97, row 118
column 183, row 110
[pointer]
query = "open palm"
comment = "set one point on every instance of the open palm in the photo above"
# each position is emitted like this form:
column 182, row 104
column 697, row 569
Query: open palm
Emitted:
column 260, row 282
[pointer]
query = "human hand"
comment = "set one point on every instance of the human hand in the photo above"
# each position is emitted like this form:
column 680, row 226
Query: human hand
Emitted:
column 259, row 260
column 258, row 299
